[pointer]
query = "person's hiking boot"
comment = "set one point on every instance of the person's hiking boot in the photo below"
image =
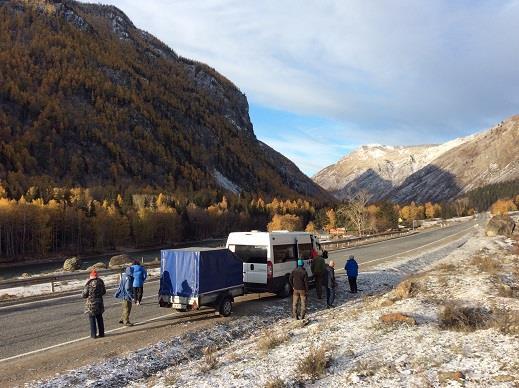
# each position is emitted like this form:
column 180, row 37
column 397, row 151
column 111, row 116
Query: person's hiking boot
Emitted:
column 121, row 321
column 128, row 324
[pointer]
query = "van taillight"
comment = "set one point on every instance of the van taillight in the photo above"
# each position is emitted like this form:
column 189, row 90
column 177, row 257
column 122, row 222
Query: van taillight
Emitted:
column 270, row 270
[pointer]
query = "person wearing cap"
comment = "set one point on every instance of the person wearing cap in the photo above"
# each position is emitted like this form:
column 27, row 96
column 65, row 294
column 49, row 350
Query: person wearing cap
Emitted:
column 93, row 293
column 299, row 281
column 331, row 284
column 126, row 294
column 352, row 271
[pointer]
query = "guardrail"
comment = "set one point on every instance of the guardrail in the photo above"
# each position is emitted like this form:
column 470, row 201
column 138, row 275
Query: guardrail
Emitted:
column 353, row 242
column 60, row 277
column 83, row 274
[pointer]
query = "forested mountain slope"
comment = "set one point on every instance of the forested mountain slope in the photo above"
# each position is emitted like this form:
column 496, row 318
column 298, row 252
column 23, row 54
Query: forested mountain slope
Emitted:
column 87, row 99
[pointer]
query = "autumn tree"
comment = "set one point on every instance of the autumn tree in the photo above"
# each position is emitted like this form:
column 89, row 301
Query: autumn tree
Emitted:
column 288, row 222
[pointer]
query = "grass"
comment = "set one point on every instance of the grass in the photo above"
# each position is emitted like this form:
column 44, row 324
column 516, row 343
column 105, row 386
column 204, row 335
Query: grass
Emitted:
column 171, row 379
column 276, row 382
column 463, row 318
column 506, row 321
column 210, row 360
column 486, row 264
column 316, row 362
column 269, row 342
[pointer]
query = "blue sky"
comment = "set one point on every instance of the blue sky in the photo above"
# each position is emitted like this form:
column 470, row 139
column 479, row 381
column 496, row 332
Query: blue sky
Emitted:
column 323, row 77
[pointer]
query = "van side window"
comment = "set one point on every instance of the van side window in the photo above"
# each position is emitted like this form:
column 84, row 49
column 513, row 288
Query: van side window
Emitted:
column 284, row 253
column 251, row 253
column 305, row 251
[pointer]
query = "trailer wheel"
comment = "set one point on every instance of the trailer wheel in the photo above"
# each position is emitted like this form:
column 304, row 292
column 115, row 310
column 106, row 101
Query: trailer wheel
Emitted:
column 284, row 292
column 225, row 307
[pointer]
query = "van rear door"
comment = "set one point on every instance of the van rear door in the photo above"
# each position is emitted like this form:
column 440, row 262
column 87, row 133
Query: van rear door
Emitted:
column 254, row 262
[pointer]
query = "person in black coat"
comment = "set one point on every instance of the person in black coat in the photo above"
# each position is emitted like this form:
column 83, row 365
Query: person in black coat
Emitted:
column 330, row 283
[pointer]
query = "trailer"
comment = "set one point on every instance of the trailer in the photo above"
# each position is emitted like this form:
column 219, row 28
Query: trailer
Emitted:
column 194, row 277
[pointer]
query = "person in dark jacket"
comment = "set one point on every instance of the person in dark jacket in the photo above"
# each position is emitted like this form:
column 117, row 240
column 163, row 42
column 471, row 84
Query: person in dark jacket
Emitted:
column 125, row 293
column 352, row 271
column 299, row 281
column 318, row 268
column 330, row 283
column 93, row 293
column 139, row 277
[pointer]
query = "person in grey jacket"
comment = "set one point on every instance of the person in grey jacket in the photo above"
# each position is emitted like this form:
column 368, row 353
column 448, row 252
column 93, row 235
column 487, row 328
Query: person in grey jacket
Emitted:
column 330, row 283
column 126, row 294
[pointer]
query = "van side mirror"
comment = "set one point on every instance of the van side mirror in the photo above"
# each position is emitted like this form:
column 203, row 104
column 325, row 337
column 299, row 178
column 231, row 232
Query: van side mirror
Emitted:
column 325, row 254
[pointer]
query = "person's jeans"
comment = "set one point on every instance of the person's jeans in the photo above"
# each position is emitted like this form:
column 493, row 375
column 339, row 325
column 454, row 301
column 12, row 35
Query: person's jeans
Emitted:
column 127, row 308
column 299, row 295
column 353, row 283
column 330, row 296
column 100, row 325
column 138, row 293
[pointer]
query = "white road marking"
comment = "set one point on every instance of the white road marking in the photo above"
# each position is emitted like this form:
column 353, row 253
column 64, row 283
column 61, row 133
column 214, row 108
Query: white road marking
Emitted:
column 84, row 338
column 176, row 313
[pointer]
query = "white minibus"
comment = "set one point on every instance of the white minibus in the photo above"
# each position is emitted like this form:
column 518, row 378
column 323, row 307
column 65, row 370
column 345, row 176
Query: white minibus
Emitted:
column 269, row 257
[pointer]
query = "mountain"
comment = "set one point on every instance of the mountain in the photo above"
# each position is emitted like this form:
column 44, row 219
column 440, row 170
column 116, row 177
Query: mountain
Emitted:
column 87, row 99
column 429, row 172
column 378, row 168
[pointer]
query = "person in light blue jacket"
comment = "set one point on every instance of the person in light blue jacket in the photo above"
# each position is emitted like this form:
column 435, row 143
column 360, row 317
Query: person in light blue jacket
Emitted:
column 126, row 293
column 352, row 270
column 139, row 277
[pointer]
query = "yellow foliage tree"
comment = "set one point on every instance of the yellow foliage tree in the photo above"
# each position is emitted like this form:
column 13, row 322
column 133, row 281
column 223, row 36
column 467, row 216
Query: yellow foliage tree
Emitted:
column 503, row 206
column 288, row 222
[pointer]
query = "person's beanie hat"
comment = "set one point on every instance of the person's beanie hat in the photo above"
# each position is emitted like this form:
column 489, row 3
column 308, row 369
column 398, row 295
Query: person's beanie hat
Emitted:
column 300, row 262
column 93, row 274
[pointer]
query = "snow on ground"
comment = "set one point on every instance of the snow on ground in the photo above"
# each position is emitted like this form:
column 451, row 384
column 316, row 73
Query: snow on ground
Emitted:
column 362, row 350
column 61, row 286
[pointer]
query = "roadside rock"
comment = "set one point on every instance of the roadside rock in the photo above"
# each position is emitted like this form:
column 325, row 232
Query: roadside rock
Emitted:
column 397, row 318
column 25, row 275
column 97, row 266
column 118, row 260
column 72, row 264
column 500, row 225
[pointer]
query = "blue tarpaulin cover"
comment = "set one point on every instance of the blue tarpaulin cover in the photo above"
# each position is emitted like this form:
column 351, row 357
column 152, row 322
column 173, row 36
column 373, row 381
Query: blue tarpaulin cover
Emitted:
column 193, row 271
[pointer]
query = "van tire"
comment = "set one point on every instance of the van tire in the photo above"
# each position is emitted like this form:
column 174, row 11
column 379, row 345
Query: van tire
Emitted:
column 225, row 307
column 181, row 310
column 284, row 292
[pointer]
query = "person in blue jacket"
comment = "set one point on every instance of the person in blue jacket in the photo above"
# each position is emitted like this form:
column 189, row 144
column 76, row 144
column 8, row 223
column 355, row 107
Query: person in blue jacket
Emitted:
column 139, row 276
column 352, row 270
column 125, row 292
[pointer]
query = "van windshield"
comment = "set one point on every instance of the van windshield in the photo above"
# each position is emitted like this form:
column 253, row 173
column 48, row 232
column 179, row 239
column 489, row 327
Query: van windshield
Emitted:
column 251, row 253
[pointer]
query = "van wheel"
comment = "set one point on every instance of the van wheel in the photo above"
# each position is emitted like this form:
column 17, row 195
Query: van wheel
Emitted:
column 284, row 292
column 181, row 310
column 225, row 307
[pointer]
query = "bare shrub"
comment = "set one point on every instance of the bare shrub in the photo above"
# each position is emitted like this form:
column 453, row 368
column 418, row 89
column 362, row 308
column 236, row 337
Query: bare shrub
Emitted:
column 486, row 264
column 276, row 382
column 315, row 363
column 505, row 290
column 406, row 289
column 506, row 321
column 463, row 318
column 269, row 342
column 171, row 379
column 210, row 361
column 447, row 267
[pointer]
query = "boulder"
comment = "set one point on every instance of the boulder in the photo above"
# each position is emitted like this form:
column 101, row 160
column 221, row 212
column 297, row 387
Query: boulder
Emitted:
column 500, row 225
column 118, row 260
column 72, row 264
column 97, row 266
column 397, row 318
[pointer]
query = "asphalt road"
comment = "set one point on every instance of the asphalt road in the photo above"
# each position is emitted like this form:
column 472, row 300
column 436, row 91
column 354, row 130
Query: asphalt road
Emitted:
column 33, row 326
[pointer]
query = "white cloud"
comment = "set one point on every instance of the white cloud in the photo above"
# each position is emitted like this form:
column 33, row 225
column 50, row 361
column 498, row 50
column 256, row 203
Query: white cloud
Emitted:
column 392, row 72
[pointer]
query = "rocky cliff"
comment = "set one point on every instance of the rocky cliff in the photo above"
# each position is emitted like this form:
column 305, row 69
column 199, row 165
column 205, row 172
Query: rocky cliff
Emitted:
column 88, row 99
